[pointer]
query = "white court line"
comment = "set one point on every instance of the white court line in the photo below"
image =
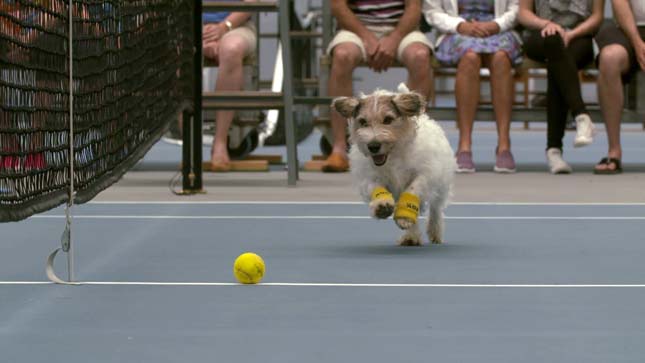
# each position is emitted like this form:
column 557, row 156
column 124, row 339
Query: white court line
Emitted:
column 330, row 284
column 134, row 217
column 233, row 202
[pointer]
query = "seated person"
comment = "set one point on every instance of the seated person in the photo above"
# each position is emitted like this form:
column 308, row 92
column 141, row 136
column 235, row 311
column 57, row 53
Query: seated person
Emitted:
column 377, row 33
column 561, row 34
column 478, row 33
column 227, row 39
column 622, row 54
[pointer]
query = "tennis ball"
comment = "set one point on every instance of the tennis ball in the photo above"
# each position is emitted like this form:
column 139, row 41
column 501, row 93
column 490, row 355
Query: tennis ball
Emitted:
column 248, row 268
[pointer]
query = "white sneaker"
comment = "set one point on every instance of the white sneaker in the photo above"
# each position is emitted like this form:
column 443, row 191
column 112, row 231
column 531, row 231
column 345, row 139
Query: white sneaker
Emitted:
column 557, row 165
column 584, row 130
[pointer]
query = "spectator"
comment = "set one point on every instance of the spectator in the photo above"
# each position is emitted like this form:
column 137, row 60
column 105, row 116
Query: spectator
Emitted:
column 560, row 34
column 378, row 33
column 479, row 33
column 622, row 53
column 227, row 39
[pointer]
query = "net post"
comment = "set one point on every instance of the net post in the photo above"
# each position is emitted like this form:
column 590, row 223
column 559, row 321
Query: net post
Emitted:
column 67, row 241
column 287, row 92
column 67, row 245
column 192, row 122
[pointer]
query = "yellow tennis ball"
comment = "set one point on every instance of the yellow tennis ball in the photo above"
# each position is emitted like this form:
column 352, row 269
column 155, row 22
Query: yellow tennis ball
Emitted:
column 248, row 268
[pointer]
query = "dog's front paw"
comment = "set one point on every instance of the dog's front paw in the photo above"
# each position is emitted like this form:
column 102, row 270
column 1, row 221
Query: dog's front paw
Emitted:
column 404, row 223
column 382, row 208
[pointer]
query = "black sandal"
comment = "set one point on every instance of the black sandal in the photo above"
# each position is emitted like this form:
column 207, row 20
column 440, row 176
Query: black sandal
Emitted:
column 607, row 161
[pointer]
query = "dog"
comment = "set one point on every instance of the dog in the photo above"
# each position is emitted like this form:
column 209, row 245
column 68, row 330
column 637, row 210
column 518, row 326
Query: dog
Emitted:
column 400, row 159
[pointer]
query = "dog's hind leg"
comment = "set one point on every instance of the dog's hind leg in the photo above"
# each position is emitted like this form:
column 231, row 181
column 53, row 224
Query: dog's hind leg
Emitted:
column 411, row 236
column 435, row 225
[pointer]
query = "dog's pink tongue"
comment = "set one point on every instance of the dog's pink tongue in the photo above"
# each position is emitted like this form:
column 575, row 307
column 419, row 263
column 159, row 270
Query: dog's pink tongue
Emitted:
column 379, row 159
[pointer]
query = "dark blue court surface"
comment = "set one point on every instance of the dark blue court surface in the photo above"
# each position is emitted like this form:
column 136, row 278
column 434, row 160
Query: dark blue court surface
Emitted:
column 529, row 283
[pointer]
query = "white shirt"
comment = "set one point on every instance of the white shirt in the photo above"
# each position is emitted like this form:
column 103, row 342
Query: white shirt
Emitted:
column 443, row 15
column 638, row 7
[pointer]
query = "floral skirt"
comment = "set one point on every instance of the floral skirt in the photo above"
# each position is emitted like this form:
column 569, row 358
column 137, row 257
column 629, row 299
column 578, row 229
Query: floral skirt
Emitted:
column 454, row 46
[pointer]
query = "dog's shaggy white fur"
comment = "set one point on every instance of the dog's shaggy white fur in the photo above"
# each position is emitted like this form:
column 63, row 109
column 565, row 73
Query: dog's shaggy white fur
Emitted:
column 395, row 145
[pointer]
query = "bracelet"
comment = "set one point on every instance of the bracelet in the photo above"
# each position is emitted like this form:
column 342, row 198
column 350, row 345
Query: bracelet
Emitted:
column 228, row 24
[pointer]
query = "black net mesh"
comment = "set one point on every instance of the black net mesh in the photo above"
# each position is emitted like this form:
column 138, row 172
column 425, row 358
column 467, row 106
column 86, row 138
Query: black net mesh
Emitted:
column 132, row 77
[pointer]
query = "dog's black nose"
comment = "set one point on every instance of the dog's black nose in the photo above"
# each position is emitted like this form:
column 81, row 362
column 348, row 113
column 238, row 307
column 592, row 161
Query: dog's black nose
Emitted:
column 374, row 147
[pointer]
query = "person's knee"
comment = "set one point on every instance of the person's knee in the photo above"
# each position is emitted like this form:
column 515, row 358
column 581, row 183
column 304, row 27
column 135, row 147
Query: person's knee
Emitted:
column 231, row 50
column 418, row 55
column 470, row 61
column 345, row 57
column 553, row 46
column 500, row 61
column 612, row 59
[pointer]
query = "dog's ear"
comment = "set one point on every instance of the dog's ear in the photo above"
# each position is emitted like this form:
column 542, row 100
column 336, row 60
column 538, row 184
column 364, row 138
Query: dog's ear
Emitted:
column 409, row 104
column 346, row 106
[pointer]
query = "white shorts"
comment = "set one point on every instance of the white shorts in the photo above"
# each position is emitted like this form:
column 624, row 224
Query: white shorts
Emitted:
column 345, row 36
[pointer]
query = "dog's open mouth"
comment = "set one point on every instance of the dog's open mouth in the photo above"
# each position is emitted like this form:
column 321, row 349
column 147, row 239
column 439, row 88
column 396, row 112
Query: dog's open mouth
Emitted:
column 379, row 159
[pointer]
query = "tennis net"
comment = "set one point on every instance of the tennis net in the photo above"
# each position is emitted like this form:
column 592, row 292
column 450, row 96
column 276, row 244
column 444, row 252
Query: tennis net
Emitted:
column 132, row 76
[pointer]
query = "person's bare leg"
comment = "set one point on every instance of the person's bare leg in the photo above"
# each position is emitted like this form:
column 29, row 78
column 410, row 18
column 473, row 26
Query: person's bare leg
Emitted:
column 346, row 57
column 613, row 63
column 229, row 78
column 467, row 95
column 416, row 58
column 501, row 80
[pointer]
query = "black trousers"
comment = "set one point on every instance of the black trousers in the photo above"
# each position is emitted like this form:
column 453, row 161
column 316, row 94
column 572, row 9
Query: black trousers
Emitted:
column 563, row 86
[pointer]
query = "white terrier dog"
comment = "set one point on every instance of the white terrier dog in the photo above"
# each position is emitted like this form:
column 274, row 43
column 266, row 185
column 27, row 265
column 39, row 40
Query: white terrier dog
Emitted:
column 401, row 159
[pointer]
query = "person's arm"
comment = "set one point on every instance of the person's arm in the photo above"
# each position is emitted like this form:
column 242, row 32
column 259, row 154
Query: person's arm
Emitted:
column 527, row 17
column 437, row 16
column 590, row 25
column 389, row 44
column 506, row 21
column 625, row 17
column 213, row 32
column 409, row 20
column 347, row 20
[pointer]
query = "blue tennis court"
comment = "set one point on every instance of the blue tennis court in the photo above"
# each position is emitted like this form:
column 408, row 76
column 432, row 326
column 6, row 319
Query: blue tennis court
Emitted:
column 536, row 282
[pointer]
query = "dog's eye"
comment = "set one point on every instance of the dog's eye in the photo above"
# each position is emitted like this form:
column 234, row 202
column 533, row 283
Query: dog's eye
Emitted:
column 388, row 120
column 362, row 122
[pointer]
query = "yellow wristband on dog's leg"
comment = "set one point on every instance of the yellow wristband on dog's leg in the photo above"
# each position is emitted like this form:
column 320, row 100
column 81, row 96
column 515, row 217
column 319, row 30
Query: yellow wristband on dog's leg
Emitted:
column 407, row 207
column 381, row 193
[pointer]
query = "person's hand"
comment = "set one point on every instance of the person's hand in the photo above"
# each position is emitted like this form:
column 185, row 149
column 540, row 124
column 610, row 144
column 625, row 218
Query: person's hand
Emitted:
column 386, row 52
column 567, row 38
column 490, row 27
column 210, row 50
column 472, row 29
column 640, row 54
column 213, row 32
column 552, row 28
column 371, row 44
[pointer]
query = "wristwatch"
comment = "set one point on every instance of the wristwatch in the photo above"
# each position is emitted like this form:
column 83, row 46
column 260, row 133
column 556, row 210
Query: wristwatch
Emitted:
column 228, row 24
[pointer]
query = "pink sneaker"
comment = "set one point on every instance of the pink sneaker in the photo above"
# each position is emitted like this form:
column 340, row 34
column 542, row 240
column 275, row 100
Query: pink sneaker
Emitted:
column 505, row 163
column 465, row 162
